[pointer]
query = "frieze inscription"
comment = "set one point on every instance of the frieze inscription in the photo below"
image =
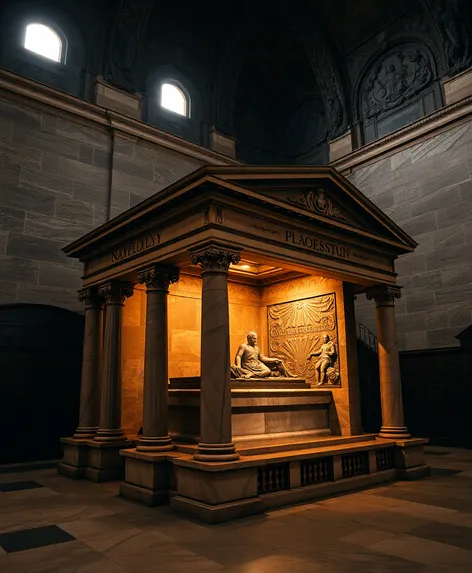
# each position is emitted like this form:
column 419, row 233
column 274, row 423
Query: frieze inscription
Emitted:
column 318, row 245
column 135, row 247
column 303, row 334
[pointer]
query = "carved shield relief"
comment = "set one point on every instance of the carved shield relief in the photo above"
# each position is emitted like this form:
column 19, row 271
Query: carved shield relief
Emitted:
column 296, row 330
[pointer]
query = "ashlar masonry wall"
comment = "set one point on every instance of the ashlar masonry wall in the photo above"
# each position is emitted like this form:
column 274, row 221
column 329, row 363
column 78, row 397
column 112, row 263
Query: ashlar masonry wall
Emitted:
column 59, row 179
column 427, row 190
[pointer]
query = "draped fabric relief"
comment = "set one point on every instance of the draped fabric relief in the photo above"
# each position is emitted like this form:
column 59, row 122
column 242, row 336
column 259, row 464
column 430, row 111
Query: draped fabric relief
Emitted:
column 296, row 330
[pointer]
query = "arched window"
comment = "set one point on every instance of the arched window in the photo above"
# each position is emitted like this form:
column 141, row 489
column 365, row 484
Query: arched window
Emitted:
column 174, row 99
column 42, row 40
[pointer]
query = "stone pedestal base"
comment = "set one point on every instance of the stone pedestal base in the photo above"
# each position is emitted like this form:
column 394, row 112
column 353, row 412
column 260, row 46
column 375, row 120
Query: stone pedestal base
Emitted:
column 216, row 514
column 105, row 462
column 75, row 458
column 215, row 493
column 97, row 461
column 149, row 476
column 410, row 459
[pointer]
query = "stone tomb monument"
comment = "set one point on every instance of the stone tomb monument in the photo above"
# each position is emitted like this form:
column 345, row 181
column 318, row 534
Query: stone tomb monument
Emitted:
column 175, row 290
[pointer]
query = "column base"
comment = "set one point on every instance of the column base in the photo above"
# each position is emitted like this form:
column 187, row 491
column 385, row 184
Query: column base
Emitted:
column 85, row 433
column 149, row 476
column 97, row 461
column 216, row 452
column 104, row 460
column 410, row 459
column 158, row 444
column 75, row 458
column 105, row 435
column 394, row 433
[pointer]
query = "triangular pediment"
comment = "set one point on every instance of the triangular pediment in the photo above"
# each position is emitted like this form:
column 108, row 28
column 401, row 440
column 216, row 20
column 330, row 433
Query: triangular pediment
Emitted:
column 320, row 192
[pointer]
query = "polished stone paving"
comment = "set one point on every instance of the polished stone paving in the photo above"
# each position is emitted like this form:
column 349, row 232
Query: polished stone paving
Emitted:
column 423, row 526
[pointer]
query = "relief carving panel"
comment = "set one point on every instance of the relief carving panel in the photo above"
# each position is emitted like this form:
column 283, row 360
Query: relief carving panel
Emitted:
column 303, row 334
column 395, row 79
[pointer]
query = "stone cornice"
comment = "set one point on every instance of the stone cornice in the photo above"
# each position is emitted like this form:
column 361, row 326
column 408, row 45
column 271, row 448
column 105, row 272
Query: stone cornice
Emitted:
column 38, row 93
column 425, row 127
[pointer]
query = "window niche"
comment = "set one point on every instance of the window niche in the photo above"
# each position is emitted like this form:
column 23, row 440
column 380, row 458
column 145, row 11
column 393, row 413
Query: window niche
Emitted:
column 45, row 42
column 44, row 46
column 173, row 104
column 399, row 88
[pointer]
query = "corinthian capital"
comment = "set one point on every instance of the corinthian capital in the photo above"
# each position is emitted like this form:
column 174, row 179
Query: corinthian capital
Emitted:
column 90, row 297
column 384, row 294
column 116, row 291
column 215, row 257
column 158, row 277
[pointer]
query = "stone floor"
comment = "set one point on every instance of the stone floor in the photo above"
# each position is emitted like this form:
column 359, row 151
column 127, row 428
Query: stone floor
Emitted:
column 51, row 524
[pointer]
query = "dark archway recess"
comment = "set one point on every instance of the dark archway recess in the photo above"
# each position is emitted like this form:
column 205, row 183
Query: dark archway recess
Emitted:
column 40, row 365
column 369, row 383
column 279, row 113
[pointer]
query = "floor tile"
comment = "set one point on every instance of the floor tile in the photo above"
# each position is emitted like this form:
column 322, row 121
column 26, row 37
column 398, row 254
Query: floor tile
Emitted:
column 18, row 486
column 450, row 534
column 32, row 538
column 424, row 551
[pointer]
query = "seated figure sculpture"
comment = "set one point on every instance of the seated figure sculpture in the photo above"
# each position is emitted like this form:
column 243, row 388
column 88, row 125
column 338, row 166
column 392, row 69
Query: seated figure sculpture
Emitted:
column 250, row 363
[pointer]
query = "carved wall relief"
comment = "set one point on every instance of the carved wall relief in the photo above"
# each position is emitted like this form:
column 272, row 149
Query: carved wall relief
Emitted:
column 453, row 20
column 399, row 88
column 298, row 329
column 395, row 79
column 126, row 40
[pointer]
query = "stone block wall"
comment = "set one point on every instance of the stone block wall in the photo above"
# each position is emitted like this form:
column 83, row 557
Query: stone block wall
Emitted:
column 59, row 179
column 427, row 190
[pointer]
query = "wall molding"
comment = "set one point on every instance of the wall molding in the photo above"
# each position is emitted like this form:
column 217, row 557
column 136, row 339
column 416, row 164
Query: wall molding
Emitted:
column 424, row 128
column 15, row 86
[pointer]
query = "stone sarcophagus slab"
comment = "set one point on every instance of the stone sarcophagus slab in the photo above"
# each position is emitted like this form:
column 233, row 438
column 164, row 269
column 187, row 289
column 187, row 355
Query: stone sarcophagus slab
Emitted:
column 259, row 409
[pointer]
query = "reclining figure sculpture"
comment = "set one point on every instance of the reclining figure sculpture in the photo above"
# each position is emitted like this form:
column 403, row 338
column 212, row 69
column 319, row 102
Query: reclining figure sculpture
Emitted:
column 250, row 363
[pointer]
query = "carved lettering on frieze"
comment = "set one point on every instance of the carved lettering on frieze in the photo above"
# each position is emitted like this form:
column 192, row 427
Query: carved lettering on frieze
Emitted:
column 316, row 244
column 135, row 247
column 303, row 334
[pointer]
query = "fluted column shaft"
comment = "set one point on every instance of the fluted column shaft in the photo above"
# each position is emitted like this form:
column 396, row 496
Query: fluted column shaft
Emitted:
column 114, row 294
column 393, row 424
column 89, row 414
column 155, row 396
column 215, row 391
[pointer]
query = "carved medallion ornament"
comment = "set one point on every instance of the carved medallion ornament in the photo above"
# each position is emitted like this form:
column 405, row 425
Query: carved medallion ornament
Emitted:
column 215, row 259
column 158, row 278
column 395, row 79
column 317, row 201
column 116, row 292
column 303, row 334
column 90, row 297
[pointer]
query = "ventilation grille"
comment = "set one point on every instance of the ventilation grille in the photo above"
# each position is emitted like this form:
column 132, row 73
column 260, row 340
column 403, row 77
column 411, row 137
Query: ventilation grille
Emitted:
column 273, row 478
column 384, row 459
column 355, row 464
column 316, row 471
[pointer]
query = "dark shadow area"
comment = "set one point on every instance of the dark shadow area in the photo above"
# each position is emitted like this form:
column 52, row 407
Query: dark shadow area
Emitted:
column 40, row 365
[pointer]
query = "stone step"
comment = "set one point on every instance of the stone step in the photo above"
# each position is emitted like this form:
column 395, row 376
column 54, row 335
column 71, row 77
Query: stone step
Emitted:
column 258, row 447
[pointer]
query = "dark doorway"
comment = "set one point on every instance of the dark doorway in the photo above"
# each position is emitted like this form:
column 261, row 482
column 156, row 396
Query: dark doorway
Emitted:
column 40, row 366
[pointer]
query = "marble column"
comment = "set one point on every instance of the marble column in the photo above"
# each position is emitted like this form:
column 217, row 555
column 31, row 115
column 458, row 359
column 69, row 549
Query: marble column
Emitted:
column 393, row 425
column 114, row 293
column 89, row 414
column 215, row 390
column 155, row 438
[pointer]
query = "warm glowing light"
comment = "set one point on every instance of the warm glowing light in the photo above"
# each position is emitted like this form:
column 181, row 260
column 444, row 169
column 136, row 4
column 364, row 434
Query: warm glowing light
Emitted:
column 244, row 267
column 173, row 99
column 43, row 41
